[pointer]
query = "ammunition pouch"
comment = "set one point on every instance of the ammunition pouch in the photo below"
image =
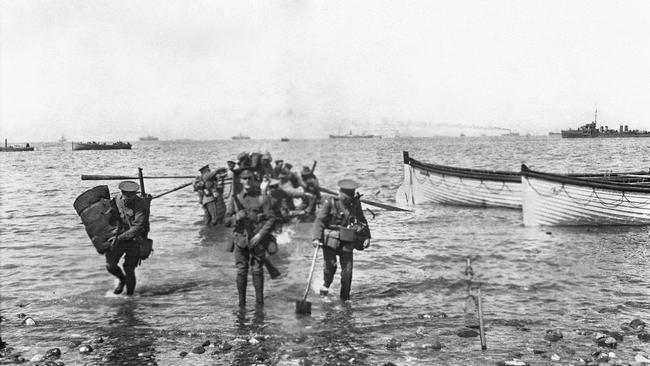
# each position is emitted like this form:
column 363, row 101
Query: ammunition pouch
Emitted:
column 240, row 240
column 332, row 239
column 258, row 250
column 360, row 235
column 271, row 245
column 146, row 248
column 347, row 234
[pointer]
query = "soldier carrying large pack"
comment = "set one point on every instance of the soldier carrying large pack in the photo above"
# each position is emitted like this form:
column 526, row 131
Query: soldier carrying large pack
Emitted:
column 118, row 228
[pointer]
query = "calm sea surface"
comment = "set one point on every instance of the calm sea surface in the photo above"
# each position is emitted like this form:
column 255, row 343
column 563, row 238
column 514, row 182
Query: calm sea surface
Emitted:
column 409, row 289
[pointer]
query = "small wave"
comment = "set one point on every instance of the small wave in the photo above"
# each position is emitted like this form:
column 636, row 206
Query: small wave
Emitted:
column 638, row 304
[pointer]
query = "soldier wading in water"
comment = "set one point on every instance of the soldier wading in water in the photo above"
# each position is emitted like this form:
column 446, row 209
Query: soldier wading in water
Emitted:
column 131, row 235
column 252, row 216
column 339, row 228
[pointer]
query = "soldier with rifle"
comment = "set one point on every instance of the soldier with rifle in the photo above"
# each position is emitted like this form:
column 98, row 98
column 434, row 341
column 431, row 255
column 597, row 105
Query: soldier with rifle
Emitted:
column 251, row 215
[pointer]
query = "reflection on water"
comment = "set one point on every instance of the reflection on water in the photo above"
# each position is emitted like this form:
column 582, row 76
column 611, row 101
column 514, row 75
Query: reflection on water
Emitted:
column 129, row 340
column 409, row 288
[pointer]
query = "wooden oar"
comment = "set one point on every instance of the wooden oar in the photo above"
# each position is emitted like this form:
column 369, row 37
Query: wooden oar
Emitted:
column 371, row 203
column 173, row 190
column 122, row 177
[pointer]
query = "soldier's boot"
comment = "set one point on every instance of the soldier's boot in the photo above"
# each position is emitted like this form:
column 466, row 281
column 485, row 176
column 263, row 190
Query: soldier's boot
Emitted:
column 129, row 279
column 241, row 288
column 117, row 272
column 324, row 290
column 258, row 282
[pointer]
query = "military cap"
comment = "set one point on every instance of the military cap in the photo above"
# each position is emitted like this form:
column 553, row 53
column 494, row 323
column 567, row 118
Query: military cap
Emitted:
column 128, row 186
column 246, row 173
column 231, row 162
column 242, row 155
column 305, row 170
column 279, row 161
column 266, row 156
column 348, row 184
column 288, row 166
column 207, row 166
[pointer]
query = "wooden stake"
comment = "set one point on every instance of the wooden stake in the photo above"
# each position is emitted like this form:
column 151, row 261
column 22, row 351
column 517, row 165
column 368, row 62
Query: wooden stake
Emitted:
column 480, row 320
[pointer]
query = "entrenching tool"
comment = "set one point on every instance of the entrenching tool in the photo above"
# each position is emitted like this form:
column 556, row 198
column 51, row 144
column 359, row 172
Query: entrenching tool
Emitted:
column 303, row 306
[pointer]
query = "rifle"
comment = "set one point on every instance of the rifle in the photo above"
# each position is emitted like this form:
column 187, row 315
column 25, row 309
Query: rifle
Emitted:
column 146, row 247
column 273, row 271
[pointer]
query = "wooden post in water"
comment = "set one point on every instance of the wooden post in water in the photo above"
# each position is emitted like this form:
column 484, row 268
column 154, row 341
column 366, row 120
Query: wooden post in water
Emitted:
column 480, row 320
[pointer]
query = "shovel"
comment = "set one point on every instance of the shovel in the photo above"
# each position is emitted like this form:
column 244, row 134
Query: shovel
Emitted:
column 303, row 306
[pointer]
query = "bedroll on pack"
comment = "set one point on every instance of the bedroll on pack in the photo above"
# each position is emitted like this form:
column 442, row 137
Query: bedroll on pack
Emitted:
column 98, row 216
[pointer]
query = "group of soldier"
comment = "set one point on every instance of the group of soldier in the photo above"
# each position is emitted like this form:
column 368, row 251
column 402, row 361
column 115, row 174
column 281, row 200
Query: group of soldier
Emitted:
column 255, row 198
column 215, row 187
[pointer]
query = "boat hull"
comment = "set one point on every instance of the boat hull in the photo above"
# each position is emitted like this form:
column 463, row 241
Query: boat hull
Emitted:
column 555, row 200
column 458, row 186
column 10, row 149
column 576, row 134
column 352, row 136
column 81, row 146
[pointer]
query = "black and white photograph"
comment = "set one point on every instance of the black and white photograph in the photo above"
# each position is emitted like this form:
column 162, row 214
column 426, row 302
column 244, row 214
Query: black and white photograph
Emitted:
column 336, row 183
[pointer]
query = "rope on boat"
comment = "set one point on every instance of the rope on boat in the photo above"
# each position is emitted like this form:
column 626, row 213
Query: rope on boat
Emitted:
column 579, row 202
column 635, row 205
column 594, row 194
column 553, row 194
column 620, row 201
column 494, row 190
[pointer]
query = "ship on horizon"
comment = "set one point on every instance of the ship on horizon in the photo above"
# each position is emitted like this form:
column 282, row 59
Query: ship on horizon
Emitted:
column 351, row 136
column 149, row 138
column 9, row 148
column 93, row 145
column 241, row 137
column 590, row 130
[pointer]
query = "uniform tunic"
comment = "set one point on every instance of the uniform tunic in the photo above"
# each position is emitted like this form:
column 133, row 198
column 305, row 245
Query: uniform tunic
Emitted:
column 133, row 228
column 260, row 219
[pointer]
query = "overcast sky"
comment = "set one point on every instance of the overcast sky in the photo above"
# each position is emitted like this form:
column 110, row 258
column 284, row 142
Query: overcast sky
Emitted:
column 114, row 69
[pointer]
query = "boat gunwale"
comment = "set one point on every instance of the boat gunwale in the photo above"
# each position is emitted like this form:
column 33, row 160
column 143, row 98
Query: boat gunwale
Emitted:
column 479, row 174
column 584, row 181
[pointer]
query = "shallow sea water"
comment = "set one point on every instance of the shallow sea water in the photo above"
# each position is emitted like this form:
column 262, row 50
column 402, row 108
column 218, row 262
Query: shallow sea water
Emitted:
column 409, row 287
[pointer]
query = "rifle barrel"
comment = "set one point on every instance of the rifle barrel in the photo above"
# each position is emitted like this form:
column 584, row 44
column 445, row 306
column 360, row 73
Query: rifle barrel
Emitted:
column 371, row 203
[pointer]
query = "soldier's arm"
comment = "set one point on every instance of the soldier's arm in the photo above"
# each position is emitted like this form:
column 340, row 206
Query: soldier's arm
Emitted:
column 271, row 218
column 138, row 227
column 320, row 223
column 229, row 218
column 293, row 192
